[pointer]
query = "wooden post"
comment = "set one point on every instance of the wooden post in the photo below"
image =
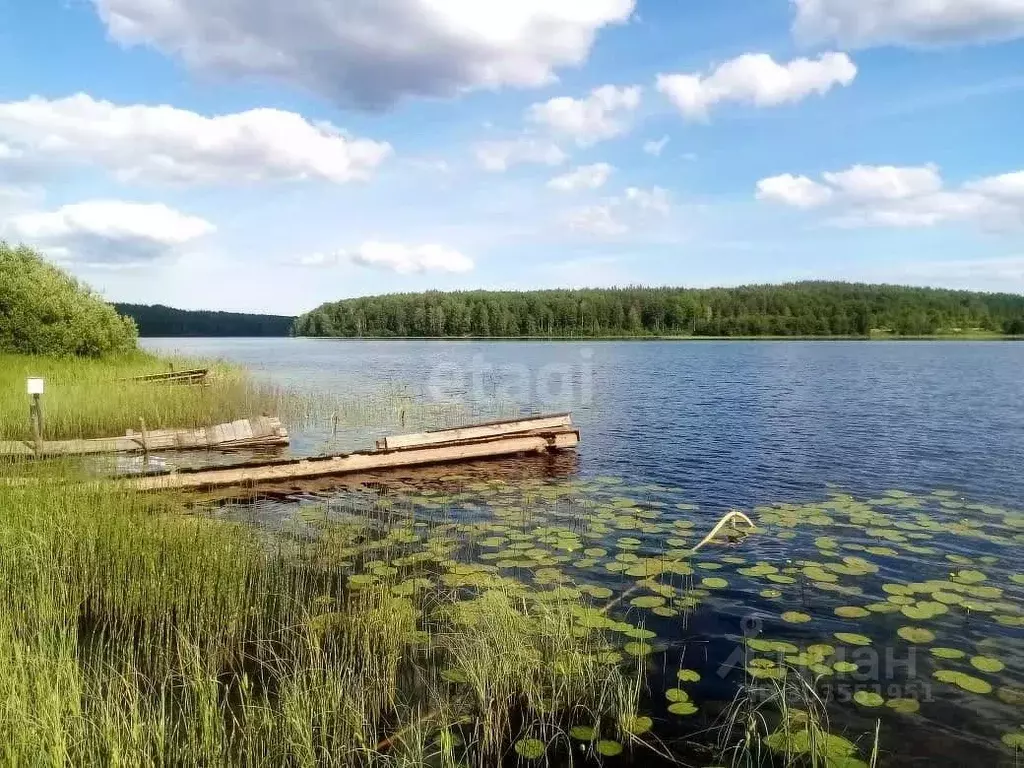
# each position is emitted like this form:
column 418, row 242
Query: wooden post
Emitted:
column 36, row 413
column 145, row 441
column 35, row 387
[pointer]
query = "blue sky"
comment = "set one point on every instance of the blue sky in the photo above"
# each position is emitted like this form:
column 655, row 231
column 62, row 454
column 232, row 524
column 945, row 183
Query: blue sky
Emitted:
column 271, row 156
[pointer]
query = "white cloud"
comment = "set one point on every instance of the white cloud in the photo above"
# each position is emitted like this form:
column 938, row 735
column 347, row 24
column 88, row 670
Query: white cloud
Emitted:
column 109, row 232
column 618, row 215
column 1009, row 186
column 886, row 182
column 584, row 177
column 602, row 115
column 498, row 156
column 863, row 23
column 371, row 53
column 598, row 220
column 797, row 191
column 163, row 143
column 395, row 257
column 654, row 199
column 893, row 196
column 755, row 78
column 655, row 148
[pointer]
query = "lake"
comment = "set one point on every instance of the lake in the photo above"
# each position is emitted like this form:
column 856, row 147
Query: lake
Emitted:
column 885, row 478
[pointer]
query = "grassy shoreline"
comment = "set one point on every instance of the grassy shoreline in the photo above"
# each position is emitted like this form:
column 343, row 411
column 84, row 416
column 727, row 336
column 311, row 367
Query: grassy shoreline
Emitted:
column 87, row 398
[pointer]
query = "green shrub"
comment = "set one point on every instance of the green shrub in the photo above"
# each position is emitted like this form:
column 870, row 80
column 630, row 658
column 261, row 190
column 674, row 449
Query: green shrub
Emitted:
column 45, row 311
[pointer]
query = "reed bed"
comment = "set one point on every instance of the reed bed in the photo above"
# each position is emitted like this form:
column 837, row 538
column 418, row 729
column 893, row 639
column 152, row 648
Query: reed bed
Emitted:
column 136, row 632
column 91, row 398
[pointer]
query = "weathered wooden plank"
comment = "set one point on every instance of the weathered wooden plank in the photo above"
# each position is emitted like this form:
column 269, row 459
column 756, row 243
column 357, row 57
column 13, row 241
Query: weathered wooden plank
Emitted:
column 358, row 462
column 268, row 432
column 475, row 431
column 191, row 375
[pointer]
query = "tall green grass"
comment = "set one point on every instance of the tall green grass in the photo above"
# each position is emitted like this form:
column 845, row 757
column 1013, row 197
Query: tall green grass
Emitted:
column 134, row 631
column 88, row 398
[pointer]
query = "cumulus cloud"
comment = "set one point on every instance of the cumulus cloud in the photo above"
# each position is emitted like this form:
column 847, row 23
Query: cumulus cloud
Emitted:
column 370, row 54
column 395, row 257
column 797, row 191
column 635, row 207
column 895, row 196
column 584, row 177
column 109, row 232
column 863, row 23
column 755, row 78
column 603, row 114
column 498, row 156
column 655, row 148
column 163, row 143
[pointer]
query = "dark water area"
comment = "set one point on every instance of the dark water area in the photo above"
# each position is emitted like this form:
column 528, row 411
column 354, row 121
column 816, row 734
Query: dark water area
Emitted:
column 885, row 479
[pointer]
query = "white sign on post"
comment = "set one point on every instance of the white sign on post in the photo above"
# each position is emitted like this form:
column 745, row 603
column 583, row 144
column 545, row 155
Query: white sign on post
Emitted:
column 35, row 386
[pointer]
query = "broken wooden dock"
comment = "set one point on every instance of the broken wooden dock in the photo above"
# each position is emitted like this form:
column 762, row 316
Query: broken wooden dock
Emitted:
column 538, row 434
column 191, row 376
column 260, row 432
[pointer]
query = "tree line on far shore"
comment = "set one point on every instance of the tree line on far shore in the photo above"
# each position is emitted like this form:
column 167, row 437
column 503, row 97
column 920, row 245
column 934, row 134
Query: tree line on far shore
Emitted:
column 158, row 320
column 794, row 309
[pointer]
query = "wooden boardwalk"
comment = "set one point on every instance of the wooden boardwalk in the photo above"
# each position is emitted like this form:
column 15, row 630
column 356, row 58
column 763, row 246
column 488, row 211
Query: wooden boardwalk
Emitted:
column 263, row 431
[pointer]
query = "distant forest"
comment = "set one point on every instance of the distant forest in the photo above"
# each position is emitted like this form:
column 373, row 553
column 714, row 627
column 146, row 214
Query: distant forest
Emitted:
column 795, row 309
column 159, row 320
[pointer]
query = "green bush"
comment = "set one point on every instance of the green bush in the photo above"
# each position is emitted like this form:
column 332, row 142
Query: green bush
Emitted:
column 45, row 311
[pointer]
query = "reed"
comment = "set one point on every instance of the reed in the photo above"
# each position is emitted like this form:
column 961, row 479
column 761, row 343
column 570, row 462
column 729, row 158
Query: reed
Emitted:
column 137, row 630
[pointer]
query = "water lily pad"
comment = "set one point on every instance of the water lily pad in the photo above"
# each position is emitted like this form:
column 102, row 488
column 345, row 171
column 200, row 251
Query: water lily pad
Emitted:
column 868, row 699
column 714, row 582
column 688, row 676
column 845, row 667
column 771, row 594
column 850, row 638
column 683, row 708
column 916, row 634
column 795, row 617
column 677, row 694
column 583, row 732
column 609, row 748
column 1014, row 740
column 648, row 601
column 638, row 649
column 851, row 612
column 530, row 749
column 904, row 706
column 636, row 725
column 987, row 664
column 969, row 577
column 961, row 680
column 947, row 653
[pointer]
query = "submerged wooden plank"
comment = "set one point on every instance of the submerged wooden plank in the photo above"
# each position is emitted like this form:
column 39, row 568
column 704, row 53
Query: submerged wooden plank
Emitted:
column 476, row 431
column 357, row 462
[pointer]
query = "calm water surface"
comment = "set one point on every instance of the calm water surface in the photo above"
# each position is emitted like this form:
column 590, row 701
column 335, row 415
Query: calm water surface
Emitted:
column 858, row 436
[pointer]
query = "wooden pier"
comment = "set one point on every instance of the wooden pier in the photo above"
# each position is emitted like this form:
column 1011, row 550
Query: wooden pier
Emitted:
column 260, row 432
column 478, row 441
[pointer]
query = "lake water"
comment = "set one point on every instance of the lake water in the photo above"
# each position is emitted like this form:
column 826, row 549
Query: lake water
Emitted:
column 870, row 466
